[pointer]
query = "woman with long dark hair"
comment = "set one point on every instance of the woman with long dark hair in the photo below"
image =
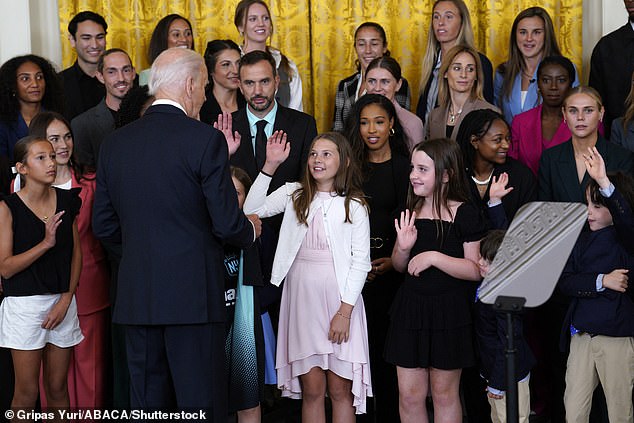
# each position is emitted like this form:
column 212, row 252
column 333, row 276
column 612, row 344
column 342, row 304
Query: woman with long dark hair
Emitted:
column 532, row 39
column 28, row 84
column 171, row 31
column 373, row 129
column 222, row 58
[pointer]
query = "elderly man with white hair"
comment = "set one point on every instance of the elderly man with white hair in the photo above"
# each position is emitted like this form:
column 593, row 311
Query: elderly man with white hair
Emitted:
column 164, row 191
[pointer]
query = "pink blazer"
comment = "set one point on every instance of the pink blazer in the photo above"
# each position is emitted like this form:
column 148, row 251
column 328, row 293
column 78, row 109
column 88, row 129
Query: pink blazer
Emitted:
column 528, row 143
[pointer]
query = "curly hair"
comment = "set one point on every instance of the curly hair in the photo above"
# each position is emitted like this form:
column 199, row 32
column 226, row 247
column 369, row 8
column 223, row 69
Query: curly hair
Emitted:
column 9, row 104
column 132, row 105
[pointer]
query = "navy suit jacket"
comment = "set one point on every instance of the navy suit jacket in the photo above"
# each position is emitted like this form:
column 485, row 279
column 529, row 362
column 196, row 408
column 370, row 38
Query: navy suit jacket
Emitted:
column 608, row 312
column 164, row 190
column 558, row 179
column 300, row 128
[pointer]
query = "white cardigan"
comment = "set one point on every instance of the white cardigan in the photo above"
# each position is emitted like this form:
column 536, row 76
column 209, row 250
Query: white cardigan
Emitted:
column 348, row 242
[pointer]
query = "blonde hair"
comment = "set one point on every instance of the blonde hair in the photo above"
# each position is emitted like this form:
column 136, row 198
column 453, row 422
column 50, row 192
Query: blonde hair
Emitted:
column 582, row 89
column 465, row 36
column 443, row 86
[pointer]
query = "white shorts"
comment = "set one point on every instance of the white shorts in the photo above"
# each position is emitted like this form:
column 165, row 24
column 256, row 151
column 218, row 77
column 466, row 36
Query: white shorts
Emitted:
column 21, row 323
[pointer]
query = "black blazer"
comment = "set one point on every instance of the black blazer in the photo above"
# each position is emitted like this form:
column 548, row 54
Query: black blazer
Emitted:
column 611, row 69
column 558, row 179
column 490, row 326
column 524, row 191
column 164, row 190
column 301, row 130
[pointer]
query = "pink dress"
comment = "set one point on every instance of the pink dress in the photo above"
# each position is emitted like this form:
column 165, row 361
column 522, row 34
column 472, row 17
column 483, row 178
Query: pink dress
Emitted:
column 310, row 299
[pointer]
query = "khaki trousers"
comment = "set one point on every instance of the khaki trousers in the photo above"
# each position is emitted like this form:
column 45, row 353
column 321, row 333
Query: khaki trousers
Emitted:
column 599, row 359
column 498, row 406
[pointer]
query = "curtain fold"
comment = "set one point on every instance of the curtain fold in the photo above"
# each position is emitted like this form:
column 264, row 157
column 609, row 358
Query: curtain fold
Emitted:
column 318, row 34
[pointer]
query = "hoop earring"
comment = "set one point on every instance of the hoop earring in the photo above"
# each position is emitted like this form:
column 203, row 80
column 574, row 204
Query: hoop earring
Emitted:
column 392, row 132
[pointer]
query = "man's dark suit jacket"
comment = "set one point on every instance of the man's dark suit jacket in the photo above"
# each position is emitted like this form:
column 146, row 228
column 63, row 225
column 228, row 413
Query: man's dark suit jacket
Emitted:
column 611, row 69
column 301, row 130
column 89, row 130
column 164, row 189
column 558, row 179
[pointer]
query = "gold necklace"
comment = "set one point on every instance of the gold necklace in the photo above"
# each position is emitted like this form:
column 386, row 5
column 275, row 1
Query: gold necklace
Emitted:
column 452, row 116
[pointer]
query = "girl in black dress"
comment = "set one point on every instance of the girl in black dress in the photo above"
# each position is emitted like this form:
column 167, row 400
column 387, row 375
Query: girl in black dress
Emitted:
column 437, row 244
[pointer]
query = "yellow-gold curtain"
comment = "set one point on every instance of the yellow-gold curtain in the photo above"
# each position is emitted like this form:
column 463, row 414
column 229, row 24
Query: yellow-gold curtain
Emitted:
column 318, row 34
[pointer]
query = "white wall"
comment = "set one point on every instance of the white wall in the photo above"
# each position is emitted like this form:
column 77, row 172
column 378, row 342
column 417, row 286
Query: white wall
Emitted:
column 30, row 26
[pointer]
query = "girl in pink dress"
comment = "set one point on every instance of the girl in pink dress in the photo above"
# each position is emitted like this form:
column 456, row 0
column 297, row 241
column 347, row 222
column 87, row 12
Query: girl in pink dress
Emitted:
column 323, row 253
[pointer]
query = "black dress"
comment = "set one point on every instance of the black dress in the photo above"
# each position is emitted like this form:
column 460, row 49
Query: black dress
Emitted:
column 211, row 109
column 430, row 319
column 386, row 189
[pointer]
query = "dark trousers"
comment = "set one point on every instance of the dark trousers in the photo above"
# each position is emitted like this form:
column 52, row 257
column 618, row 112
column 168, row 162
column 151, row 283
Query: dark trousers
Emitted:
column 178, row 367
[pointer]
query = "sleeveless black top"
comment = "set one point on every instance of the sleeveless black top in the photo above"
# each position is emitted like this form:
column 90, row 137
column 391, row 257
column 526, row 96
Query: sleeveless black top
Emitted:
column 50, row 274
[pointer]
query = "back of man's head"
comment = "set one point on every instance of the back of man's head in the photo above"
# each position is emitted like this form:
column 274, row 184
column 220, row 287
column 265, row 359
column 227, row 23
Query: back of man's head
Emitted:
column 171, row 69
column 86, row 15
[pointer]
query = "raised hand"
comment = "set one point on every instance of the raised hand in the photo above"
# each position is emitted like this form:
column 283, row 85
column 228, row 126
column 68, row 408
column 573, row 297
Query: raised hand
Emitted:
column 498, row 188
column 50, row 229
column 595, row 166
column 277, row 150
column 406, row 232
column 225, row 125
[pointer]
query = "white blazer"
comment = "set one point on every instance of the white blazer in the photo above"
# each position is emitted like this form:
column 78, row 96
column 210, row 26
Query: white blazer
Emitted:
column 348, row 242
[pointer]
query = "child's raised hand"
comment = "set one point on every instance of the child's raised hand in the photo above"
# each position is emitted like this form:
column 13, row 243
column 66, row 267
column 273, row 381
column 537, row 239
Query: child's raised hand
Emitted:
column 225, row 125
column 50, row 229
column 277, row 150
column 406, row 232
column 616, row 280
column 498, row 188
column 421, row 262
column 595, row 166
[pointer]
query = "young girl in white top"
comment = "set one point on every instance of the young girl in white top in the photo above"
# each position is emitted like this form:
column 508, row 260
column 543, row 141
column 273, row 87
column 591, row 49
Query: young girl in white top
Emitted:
column 40, row 262
column 324, row 254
